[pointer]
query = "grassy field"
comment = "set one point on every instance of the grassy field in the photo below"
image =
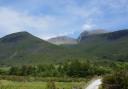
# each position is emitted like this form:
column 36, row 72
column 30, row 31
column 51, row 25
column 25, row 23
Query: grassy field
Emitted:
column 4, row 84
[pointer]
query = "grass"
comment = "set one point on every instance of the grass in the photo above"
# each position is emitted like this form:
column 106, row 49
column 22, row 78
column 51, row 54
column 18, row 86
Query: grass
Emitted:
column 4, row 84
column 4, row 68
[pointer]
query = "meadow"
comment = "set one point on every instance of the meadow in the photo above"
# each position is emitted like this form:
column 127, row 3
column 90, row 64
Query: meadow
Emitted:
column 5, row 84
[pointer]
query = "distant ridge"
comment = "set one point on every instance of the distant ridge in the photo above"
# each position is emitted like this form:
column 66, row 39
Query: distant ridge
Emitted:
column 85, row 34
column 110, row 46
column 106, row 35
column 62, row 40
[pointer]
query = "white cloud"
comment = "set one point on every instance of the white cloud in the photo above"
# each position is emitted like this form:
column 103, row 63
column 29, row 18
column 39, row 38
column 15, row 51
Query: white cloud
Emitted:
column 88, row 27
column 13, row 21
column 61, row 17
column 41, row 26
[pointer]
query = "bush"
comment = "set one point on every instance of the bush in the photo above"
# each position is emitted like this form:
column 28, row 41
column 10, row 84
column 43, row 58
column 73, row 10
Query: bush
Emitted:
column 50, row 85
column 117, row 80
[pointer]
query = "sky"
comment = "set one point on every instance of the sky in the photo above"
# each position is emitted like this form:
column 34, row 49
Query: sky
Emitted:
column 51, row 18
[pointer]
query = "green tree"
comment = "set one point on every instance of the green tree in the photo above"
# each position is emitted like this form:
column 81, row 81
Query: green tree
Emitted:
column 14, row 71
column 28, row 70
column 78, row 69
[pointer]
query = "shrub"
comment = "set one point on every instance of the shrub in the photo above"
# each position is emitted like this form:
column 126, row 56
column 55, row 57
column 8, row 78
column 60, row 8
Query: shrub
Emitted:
column 117, row 80
column 50, row 85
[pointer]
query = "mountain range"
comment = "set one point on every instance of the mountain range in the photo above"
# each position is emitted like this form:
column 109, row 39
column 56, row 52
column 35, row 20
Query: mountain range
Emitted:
column 24, row 48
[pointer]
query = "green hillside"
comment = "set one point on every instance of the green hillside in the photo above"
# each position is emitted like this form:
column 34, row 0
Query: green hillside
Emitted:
column 24, row 48
column 112, row 45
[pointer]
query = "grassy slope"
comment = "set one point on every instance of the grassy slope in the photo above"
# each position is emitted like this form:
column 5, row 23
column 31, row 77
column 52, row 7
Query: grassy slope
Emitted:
column 23, row 48
column 104, row 46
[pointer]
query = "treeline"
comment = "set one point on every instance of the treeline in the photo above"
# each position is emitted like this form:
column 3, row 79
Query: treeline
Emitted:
column 70, row 69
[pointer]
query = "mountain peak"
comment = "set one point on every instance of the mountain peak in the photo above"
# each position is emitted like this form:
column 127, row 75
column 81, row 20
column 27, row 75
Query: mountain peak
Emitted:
column 85, row 34
column 14, row 37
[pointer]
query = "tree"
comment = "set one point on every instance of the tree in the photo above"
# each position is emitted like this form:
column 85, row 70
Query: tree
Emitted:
column 78, row 69
column 14, row 71
column 28, row 70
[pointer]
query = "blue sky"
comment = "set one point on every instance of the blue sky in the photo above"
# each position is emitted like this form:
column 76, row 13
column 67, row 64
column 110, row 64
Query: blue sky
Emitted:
column 50, row 18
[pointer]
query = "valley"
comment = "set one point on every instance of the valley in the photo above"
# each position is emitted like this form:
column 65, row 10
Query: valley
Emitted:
column 28, row 62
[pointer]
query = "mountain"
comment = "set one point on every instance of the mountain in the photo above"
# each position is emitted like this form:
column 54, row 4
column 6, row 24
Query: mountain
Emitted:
column 111, row 45
column 62, row 40
column 85, row 34
column 24, row 48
